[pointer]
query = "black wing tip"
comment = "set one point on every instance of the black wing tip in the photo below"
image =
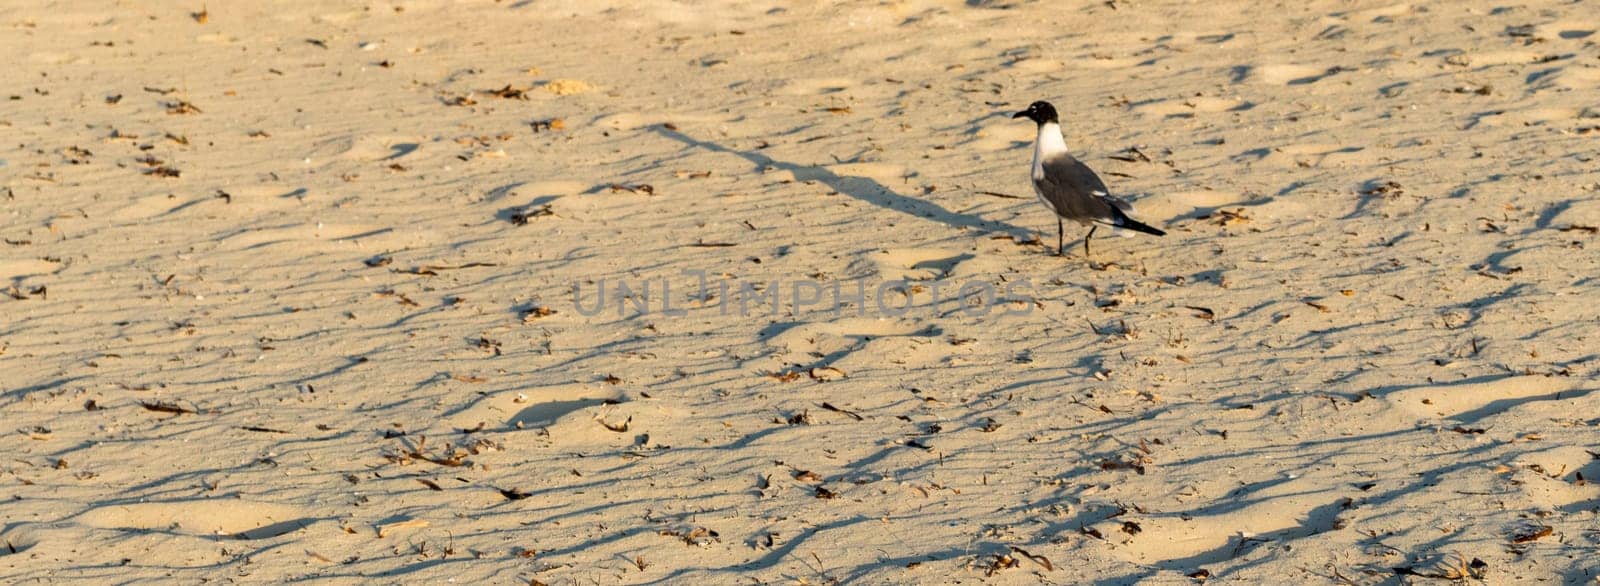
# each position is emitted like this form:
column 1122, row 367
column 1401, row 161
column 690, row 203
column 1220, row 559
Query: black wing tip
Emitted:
column 1138, row 226
column 1125, row 222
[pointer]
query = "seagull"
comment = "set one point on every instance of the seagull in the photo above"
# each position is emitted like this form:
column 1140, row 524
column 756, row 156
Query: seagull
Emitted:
column 1070, row 188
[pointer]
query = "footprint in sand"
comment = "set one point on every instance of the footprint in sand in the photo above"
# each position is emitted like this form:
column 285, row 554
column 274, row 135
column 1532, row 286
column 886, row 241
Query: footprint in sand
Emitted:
column 828, row 343
column 146, row 207
column 1562, row 462
column 1493, row 58
column 12, row 269
column 1206, row 198
column 49, row 58
column 533, row 408
column 233, row 518
column 1526, row 117
column 915, row 264
column 1381, row 12
column 815, row 86
column 1284, row 74
column 1194, row 204
column 690, row 124
column 1102, row 61
column 1558, row 478
column 1567, row 77
column 321, row 236
column 1568, row 30
column 998, row 137
column 1188, row 203
column 364, row 148
column 574, row 415
column 884, row 174
column 240, row 201
column 1203, row 538
column 1477, row 400
column 524, row 190
column 1305, row 155
column 1188, row 107
column 1037, row 65
column 18, row 538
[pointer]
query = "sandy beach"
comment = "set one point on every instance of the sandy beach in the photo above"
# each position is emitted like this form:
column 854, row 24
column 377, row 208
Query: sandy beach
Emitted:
column 669, row 292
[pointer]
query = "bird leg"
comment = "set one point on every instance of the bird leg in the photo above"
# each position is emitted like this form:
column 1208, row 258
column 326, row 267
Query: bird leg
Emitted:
column 1086, row 238
column 1061, row 238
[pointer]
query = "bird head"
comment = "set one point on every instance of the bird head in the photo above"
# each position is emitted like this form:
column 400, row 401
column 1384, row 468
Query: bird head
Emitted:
column 1039, row 112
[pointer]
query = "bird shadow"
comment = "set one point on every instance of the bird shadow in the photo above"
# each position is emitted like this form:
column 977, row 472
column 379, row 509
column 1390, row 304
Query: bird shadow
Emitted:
column 865, row 189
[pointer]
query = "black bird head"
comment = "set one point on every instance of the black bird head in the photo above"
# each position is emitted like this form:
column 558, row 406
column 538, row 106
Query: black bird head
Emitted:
column 1039, row 112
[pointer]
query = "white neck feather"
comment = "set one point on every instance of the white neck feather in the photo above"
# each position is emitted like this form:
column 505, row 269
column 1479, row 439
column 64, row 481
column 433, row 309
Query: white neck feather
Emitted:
column 1050, row 141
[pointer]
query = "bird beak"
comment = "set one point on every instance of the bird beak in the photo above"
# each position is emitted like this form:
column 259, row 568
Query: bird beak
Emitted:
column 1022, row 114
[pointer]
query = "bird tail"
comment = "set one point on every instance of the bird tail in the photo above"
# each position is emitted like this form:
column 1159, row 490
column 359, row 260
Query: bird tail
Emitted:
column 1127, row 223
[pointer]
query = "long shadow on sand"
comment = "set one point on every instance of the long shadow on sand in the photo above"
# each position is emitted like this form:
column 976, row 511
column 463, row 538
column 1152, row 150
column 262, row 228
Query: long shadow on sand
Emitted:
column 861, row 188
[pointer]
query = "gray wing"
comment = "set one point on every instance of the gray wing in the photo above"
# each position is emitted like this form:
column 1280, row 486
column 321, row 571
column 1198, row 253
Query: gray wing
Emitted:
column 1076, row 192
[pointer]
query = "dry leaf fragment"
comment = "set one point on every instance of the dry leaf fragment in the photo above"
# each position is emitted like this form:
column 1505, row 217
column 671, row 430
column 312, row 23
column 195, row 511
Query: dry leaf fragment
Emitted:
column 165, row 407
column 645, row 188
column 513, row 494
column 1386, row 188
column 1131, row 154
column 826, row 374
column 182, row 107
column 1038, row 559
column 1001, row 562
column 521, row 217
column 696, row 536
column 1227, row 217
column 509, row 93
column 616, row 428
column 260, row 429
column 554, row 124
column 852, row 414
column 536, row 313
column 1532, row 534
